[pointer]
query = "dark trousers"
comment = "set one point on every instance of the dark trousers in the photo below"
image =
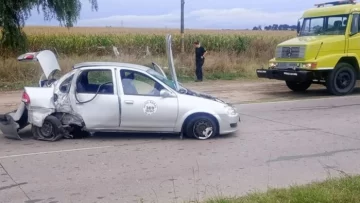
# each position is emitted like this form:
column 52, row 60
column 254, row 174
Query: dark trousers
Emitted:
column 198, row 71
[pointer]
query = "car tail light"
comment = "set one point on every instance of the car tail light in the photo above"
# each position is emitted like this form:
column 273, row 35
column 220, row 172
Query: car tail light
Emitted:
column 30, row 56
column 25, row 98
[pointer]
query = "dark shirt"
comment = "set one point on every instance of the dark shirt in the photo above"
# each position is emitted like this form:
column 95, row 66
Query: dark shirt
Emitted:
column 199, row 52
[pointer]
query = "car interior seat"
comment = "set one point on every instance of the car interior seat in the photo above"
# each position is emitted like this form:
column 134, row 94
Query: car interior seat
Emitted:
column 338, row 25
column 127, row 84
column 82, row 83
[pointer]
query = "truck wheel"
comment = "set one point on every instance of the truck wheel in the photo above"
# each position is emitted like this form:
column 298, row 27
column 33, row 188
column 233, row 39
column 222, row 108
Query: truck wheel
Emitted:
column 341, row 80
column 298, row 86
column 201, row 127
column 51, row 130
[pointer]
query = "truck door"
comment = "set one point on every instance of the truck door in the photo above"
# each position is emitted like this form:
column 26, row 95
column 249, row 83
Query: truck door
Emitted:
column 354, row 37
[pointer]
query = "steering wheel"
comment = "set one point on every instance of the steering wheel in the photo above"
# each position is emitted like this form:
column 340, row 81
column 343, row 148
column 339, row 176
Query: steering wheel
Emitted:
column 157, row 88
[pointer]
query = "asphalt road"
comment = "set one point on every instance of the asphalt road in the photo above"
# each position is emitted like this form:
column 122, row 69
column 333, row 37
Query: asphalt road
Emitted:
column 278, row 144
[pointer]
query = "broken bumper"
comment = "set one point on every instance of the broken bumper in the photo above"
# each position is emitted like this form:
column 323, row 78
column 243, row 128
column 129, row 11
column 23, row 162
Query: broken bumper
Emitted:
column 228, row 124
column 9, row 127
column 287, row 75
column 12, row 122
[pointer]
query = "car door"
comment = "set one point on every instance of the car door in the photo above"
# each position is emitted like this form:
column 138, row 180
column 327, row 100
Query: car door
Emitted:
column 142, row 107
column 94, row 97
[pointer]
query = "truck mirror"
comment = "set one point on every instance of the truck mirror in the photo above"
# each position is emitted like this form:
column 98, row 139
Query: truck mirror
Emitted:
column 298, row 27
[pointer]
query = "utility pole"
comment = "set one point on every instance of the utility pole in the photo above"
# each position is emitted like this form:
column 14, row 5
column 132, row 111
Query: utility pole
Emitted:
column 182, row 25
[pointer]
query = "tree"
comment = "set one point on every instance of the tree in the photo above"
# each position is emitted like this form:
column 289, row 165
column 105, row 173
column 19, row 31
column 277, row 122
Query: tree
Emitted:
column 14, row 13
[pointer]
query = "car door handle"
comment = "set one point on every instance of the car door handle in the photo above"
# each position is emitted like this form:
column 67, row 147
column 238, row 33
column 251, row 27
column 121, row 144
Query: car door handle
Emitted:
column 129, row 101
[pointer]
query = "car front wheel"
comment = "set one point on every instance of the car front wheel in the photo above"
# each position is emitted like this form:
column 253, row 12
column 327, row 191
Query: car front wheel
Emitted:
column 201, row 127
column 49, row 131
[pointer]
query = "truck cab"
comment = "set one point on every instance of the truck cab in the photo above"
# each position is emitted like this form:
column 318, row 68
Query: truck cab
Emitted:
column 326, row 50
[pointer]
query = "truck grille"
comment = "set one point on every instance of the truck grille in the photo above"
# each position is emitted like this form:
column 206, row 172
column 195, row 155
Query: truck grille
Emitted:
column 287, row 65
column 290, row 52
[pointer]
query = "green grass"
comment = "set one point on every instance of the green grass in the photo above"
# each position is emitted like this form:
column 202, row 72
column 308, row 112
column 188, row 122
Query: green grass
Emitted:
column 335, row 190
column 11, row 86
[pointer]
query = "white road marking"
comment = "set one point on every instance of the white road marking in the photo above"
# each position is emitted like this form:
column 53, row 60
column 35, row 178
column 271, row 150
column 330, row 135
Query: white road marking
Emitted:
column 52, row 152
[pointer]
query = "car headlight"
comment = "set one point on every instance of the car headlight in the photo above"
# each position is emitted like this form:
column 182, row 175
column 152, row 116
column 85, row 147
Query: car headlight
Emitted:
column 231, row 111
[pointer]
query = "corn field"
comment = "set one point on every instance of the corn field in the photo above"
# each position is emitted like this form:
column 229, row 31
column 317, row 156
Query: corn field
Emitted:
column 231, row 53
column 82, row 41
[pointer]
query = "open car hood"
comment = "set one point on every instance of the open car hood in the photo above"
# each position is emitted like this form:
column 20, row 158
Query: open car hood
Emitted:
column 47, row 59
column 171, row 65
column 171, row 61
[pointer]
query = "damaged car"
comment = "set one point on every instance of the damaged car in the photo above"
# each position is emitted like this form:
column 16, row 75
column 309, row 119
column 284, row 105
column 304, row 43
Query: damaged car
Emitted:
column 115, row 97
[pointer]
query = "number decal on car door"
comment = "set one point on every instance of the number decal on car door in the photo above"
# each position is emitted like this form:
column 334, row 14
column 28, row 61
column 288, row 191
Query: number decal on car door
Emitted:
column 150, row 107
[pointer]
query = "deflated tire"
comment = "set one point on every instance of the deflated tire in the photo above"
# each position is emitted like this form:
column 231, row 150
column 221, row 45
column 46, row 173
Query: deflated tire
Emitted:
column 51, row 130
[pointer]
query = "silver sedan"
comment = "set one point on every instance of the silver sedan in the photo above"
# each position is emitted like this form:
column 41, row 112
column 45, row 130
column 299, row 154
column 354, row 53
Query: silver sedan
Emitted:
column 115, row 97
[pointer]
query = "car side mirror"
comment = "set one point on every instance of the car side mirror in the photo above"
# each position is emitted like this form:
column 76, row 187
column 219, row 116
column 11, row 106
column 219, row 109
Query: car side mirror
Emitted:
column 165, row 93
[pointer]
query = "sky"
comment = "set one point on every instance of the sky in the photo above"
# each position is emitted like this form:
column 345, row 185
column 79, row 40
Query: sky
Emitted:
column 211, row 14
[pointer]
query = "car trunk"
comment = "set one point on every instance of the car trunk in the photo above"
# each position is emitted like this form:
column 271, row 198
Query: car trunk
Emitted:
column 34, row 98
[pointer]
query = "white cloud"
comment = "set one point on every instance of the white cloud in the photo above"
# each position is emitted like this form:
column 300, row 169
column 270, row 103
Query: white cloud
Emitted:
column 203, row 18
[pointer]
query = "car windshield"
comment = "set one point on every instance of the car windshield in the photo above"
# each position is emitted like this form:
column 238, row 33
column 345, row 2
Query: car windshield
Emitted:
column 159, row 76
column 328, row 25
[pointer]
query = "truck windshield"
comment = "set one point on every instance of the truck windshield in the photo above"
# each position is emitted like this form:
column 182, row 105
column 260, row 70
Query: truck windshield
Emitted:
column 328, row 25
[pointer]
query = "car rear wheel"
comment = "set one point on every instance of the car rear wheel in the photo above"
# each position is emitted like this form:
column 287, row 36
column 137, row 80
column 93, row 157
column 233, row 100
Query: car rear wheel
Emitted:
column 49, row 131
column 201, row 127
column 298, row 86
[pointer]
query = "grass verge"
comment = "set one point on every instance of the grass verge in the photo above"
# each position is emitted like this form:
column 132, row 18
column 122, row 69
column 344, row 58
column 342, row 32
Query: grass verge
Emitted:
column 15, row 75
column 231, row 54
column 335, row 190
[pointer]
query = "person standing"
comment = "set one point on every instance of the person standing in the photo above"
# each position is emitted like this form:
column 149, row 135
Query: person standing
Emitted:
column 199, row 60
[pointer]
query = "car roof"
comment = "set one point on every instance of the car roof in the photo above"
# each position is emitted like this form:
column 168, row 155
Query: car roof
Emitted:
column 118, row 64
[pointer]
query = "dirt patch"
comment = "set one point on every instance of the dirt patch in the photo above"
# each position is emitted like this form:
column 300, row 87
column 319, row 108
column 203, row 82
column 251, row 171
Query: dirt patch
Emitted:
column 236, row 92
column 9, row 101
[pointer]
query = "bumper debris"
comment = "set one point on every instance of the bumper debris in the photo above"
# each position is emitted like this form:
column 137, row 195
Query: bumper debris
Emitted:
column 9, row 127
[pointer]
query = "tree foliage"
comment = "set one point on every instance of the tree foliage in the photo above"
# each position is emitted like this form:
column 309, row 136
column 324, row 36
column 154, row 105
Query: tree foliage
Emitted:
column 14, row 13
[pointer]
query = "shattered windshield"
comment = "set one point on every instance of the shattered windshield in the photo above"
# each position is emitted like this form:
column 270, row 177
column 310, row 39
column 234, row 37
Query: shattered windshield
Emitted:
column 168, row 82
column 328, row 25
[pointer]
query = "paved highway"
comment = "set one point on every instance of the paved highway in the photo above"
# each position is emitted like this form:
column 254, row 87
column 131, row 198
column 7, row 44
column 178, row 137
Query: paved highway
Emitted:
column 278, row 144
